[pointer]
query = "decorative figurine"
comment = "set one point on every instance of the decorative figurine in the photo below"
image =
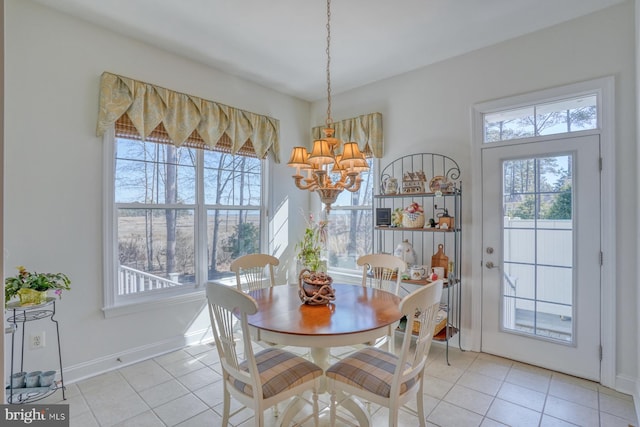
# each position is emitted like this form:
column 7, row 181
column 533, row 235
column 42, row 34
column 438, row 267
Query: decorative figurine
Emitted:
column 405, row 252
column 389, row 185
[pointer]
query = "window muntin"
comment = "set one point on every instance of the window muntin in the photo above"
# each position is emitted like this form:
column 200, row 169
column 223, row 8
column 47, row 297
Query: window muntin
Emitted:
column 164, row 197
column 560, row 116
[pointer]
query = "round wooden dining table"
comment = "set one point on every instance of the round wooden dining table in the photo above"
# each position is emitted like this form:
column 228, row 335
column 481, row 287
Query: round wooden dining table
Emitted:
column 357, row 315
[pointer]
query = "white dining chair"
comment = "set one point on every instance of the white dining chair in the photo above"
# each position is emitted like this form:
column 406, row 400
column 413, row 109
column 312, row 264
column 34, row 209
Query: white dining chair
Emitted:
column 385, row 378
column 382, row 271
column 260, row 380
column 254, row 271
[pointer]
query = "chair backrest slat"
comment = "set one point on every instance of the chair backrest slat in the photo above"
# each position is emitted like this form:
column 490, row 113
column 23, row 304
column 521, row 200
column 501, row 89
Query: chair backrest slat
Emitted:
column 254, row 271
column 382, row 271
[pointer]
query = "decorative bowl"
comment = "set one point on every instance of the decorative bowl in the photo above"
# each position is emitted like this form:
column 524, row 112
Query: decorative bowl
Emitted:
column 314, row 288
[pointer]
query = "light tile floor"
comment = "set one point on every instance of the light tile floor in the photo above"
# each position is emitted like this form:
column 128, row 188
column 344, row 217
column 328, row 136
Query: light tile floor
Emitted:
column 183, row 388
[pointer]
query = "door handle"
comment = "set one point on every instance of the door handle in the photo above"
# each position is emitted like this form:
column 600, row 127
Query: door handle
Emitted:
column 490, row 265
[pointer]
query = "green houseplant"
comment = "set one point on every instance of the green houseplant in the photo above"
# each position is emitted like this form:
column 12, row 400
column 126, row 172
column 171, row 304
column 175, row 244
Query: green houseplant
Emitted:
column 32, row 287
column 314, row 284
column 310, row 248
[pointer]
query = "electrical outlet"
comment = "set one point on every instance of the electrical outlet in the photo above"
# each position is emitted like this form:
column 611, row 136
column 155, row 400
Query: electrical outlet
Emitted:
column 36, row 340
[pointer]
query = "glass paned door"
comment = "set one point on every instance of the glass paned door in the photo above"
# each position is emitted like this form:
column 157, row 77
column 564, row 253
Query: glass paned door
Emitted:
column 541, row 253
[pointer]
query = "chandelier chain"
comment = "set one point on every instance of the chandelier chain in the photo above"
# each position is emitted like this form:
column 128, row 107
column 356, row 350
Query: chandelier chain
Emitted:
column 329, row 119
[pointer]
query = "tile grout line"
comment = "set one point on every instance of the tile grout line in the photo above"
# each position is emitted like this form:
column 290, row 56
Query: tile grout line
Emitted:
column 546, row 398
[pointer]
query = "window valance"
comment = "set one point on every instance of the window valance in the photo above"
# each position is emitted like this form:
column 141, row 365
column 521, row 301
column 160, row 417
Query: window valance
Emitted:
column 366, row 130
column 149, row 106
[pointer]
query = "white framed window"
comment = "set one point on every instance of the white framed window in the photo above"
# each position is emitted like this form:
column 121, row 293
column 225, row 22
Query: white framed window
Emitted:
column 554, row 117
column 351, row 226
column 177, row 216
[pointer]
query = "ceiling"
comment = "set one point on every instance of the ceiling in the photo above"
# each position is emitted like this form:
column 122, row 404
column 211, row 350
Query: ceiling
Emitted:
column 281, row 43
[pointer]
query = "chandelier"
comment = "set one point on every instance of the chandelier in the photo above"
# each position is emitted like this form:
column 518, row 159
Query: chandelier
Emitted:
column 328, row 173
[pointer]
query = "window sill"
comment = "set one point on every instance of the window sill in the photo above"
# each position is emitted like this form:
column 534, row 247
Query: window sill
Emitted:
column 153, row 303
column 348, row 277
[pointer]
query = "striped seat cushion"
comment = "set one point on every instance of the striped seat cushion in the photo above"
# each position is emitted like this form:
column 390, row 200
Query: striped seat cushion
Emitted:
column 279, row 370
column 370, row 369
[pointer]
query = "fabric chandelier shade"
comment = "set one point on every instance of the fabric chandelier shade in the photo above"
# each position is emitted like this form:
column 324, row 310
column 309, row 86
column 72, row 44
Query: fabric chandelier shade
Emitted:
column 350, row 154
column 299, row 157
column 321, row 153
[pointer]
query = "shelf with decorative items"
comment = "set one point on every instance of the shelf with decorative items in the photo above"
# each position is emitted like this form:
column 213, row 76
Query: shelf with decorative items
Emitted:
column 418, row 217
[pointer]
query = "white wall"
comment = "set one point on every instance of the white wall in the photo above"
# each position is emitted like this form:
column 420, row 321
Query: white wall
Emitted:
column 53, row 181
column 429, row 110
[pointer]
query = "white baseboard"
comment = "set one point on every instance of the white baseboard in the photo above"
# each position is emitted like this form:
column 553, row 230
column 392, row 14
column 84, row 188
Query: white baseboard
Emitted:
column 469, row 341
column 84, row 370
column 626, row 385
column 631, row 386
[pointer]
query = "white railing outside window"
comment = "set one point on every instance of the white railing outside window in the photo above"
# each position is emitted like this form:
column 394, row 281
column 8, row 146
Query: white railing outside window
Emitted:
column 132, row 281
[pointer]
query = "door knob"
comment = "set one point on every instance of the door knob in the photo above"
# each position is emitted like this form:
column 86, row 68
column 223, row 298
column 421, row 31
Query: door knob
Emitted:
column 489, row 264
column 489, row 250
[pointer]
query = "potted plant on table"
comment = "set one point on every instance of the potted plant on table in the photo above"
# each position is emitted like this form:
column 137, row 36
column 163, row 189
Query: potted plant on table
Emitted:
column 310, row 248
column 313, row 281
column 32, row 287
